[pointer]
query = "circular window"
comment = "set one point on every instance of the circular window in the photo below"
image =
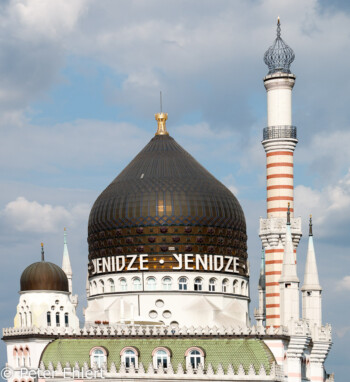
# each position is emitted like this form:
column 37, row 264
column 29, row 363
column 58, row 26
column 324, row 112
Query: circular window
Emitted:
column 166, row 314
column 159, row 303
column 153, row 314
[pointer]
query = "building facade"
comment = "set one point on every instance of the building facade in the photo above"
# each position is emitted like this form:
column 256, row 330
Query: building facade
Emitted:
column 168, row 275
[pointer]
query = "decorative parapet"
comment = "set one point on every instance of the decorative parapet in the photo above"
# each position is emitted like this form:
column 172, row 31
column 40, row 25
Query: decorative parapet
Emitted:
column 133, row 330
column 323, row 333
column 273, row 229
column 294, row 328
column 220, row 374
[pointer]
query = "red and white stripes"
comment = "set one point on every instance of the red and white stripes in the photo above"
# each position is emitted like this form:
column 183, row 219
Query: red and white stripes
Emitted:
column 279, row 176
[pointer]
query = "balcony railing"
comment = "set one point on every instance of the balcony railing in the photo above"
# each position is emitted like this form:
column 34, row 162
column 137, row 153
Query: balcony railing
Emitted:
column 275, row 132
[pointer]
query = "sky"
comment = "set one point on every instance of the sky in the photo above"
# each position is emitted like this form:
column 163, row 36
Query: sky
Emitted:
column 79, row 87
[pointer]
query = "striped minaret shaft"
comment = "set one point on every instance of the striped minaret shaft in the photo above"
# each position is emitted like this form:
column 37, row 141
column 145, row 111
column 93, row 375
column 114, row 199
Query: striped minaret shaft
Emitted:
column 279, row 142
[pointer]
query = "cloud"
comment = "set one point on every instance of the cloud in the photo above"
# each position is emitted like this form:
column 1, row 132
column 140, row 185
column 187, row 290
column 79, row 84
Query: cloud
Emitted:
column 343, row 284
column 330, row 207
column 31, row 216
column 80, row 144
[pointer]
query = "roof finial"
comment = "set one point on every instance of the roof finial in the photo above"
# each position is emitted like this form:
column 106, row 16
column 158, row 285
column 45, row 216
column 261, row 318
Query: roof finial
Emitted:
column 65, row 235
column 161, row 119
column 310, row 226
column 279, row 56
column 288, row 214
column 42, row 252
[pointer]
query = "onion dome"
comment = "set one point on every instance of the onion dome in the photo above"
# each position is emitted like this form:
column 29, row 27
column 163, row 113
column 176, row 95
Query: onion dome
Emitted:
column 165, row 202
column 279, row 56
column 44, row 276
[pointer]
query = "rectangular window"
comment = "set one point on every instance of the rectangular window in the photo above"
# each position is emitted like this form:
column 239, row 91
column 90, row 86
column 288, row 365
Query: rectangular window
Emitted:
column 66, row 322
column 48, row 318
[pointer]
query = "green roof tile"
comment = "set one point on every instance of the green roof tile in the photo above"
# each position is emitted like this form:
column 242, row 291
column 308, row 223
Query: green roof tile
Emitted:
column 218, row 350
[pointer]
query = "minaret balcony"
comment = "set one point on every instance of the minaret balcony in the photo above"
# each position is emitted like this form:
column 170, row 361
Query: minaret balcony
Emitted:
column 277, row 132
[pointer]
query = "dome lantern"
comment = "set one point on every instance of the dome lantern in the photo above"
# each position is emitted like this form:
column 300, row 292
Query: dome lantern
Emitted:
column 279, row 56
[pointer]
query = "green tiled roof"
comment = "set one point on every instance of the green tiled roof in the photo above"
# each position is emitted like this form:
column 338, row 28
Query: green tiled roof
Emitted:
column 217, row 350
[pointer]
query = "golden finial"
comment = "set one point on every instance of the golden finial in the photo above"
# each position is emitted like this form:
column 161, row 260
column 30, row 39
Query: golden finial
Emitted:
column 278, row 20
column 161, row 119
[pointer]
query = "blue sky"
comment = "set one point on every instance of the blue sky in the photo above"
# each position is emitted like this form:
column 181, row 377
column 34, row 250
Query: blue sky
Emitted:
column 79, row 86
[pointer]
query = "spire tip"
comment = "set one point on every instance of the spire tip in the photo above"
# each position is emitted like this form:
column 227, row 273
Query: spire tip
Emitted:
column 42, row 252
column 310, row 226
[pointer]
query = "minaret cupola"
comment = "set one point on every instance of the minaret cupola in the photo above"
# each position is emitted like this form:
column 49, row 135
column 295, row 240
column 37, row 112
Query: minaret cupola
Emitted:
column 279, row 56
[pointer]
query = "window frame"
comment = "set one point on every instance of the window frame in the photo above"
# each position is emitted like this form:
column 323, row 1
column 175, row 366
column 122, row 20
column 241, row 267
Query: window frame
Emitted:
column 123, row 353
column 168, row 285
column 183, row 285
column 199, row 358
column 150, row 286
column 212, row 284
column 225, row 285
column 136, row 286
column 198, row 284
column 123, row 284
column 166, row 356
column 103, row 356
column 111, row 285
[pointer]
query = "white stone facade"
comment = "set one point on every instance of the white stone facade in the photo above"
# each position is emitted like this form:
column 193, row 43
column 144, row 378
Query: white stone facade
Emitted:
column 182, row 298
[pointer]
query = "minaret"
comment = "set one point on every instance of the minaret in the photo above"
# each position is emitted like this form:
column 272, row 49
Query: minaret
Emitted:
column 279, row 142
column 311, row 290
column 260, row 313
column 66, row 262
column 289, row 282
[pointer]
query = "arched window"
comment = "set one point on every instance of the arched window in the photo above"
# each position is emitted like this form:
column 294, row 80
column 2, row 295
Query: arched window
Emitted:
column 111, row 285
column 66, row 320
column 22, row 357
column 20, row 319
column 129, row 355
column 225, row 285
column 95, row 287
column 57, row 319
column 98, row 356
column 212, row 285
column 194, row 357
column 151, row 283
column 123, row 285
column 25, row 319
column 102, row 286
column 26, row 356
column 242, row 288
column 235, row 287
column 182, row 283
column 16, row 357
column 136, row 282
column 198, row 284
column 48, row 318
column 167, row 283
column 161, row 356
